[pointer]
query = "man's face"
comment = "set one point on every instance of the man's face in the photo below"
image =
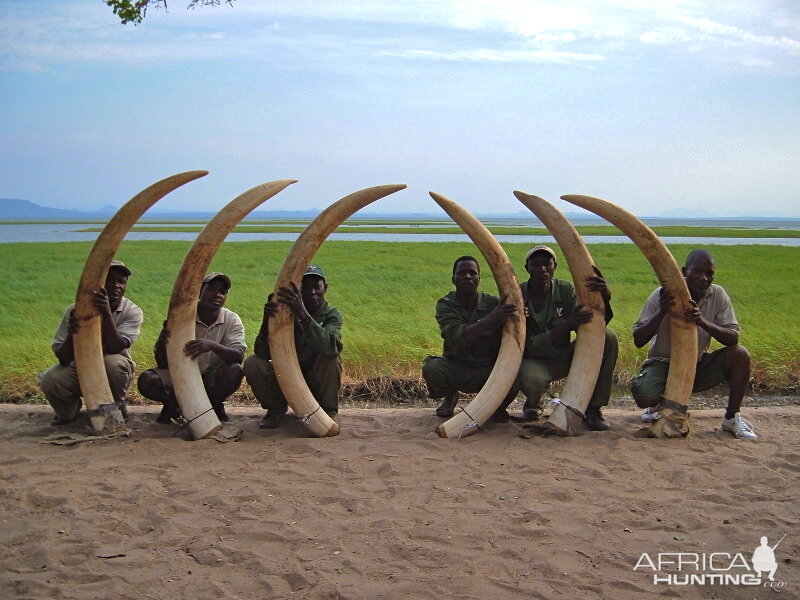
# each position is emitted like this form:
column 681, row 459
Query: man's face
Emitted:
column 540, row 266
column 116, row 282
column 467, row 276
column 699, row 274
column 213, row 295
column 313, row 291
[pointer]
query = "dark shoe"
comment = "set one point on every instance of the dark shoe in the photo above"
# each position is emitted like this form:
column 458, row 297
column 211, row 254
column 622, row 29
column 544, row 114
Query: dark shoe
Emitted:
column 595, row 420
column 448, row 405
column 501, row 416
column 530, row 414
column 271, row 420
column 167, row 415
column 221, row 414
column 59, row 421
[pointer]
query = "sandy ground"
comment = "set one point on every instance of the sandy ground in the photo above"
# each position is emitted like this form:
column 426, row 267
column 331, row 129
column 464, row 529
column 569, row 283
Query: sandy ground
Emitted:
column 388, row 510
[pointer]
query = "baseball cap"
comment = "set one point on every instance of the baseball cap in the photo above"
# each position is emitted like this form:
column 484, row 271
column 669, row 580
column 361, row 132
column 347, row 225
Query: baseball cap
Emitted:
column 540, row 248
column 118, row 264
column 215, row 275
column 314, row 270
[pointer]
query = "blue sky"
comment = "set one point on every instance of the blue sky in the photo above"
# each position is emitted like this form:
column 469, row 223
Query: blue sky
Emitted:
column 655, row 105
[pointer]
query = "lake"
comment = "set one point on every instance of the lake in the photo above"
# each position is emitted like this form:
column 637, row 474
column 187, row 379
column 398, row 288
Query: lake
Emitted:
column 69, row 232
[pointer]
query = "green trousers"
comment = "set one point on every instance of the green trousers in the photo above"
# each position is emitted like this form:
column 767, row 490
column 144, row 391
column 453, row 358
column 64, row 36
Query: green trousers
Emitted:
column 536, row 374
column 442, row 375
column 323, row 376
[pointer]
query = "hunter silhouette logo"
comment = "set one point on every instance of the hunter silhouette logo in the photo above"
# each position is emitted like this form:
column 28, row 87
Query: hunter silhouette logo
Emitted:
column 764, row 558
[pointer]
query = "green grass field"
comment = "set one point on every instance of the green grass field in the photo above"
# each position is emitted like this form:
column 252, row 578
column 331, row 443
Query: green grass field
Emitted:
column 386, row 292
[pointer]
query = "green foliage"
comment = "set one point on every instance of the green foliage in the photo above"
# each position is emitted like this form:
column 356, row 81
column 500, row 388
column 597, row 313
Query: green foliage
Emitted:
column 386, row 292
column 134, row 11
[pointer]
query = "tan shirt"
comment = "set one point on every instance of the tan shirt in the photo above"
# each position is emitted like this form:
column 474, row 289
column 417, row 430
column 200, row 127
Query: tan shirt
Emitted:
column 715, row 306
column 227, row 330
column 127, row 317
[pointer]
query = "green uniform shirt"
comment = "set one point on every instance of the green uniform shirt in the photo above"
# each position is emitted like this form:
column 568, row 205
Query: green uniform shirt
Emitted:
column 555, row 309
column 454, row 318
column 557, row 306
column 322, row 334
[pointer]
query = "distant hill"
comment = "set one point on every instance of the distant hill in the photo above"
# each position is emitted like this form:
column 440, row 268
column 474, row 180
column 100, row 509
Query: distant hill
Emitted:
column 12, row 208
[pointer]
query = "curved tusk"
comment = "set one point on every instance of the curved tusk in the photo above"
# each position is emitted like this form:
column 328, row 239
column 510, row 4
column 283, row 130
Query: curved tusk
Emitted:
column 87, row 340
column 186, row 380
column 281, row 327
column 683, row 352
column 590, row 339
column 506, row 367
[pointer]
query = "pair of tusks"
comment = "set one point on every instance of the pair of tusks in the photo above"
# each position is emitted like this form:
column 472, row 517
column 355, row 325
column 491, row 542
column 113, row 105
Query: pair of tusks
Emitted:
column 187, row 382
column 590, row 339
column 674, row 421
column 281, row 327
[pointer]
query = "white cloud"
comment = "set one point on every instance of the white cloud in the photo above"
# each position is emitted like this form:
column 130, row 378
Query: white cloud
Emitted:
column 37, row 33
column 494, row 56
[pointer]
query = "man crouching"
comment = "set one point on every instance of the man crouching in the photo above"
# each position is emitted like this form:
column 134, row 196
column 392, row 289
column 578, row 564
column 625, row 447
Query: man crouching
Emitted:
column 218, row 348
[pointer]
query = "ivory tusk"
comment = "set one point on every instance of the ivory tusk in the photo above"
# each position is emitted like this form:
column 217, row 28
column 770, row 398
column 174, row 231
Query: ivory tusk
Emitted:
column 683, row 351
column 281, row 327
column 87, row 340
column 590, row 339
column 506, row 367
column 186, row 379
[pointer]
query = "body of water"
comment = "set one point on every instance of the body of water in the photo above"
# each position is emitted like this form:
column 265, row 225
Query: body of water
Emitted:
column 58, row 232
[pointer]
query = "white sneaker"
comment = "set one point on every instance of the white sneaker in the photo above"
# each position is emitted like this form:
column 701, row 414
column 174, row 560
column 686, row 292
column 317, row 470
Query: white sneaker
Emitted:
column 740, row 427
column 650, row 414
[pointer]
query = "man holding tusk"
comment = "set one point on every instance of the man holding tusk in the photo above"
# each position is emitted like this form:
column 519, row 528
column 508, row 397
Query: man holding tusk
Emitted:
column 120, row 321
column 552, row 314
column 712, row 312
column 471, row 325
column 318, row 339
column 218, row 348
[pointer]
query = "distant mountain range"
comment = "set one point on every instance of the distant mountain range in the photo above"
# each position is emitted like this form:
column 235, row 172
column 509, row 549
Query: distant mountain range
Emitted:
column 24, row 210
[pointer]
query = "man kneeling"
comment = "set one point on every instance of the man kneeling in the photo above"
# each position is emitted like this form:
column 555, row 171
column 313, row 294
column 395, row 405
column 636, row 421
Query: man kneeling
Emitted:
column 218, row 348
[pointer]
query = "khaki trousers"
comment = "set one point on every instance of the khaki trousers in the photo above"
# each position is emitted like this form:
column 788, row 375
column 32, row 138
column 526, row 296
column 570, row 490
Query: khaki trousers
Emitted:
column 63, row 391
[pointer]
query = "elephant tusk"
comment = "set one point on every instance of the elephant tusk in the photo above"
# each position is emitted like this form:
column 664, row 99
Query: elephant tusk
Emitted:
column 281, row 327
column 506, row 367
column 683, row 351
column 590, row 340
column 87, row 340
column 186, row 380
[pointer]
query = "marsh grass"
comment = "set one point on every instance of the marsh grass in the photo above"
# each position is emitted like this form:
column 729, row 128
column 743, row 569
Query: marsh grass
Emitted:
column 387, row 293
